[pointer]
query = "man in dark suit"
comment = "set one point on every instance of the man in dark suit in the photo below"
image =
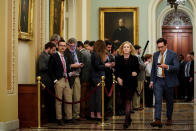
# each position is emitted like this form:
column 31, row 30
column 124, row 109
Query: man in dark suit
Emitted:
column 189, row 75
column 163, row 79
column 59, row 73
column 42, row 70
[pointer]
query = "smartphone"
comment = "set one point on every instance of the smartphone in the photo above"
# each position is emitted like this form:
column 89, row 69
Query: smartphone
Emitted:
column 158, row 63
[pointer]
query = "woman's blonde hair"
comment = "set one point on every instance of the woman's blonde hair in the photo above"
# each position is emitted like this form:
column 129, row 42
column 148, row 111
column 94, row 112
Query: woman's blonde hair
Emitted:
column 120, row 49
column 99, row 49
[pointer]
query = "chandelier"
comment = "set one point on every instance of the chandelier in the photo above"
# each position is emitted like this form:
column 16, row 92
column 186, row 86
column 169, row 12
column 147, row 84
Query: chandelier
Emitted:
column 174, row 3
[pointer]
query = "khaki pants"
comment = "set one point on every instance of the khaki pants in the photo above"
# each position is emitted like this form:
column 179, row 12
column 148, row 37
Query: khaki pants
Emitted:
column 60, row 91
column 73, row 94
column 136, row 97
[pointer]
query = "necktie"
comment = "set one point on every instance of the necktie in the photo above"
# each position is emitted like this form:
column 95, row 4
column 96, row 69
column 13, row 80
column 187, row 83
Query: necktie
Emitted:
column 163, row 73
column 63, row 62
column 75, row 57
column 187, row 69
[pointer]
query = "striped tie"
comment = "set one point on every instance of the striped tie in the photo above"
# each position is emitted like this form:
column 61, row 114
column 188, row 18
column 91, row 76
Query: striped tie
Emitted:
column 163, row 73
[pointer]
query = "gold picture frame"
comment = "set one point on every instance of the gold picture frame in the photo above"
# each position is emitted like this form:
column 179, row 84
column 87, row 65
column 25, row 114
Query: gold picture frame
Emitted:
column 25, row 19
column 109, row 24
column 56, row 20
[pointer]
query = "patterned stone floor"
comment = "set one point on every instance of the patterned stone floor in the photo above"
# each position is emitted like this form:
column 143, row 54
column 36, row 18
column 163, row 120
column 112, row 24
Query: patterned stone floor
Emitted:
column 184, row 119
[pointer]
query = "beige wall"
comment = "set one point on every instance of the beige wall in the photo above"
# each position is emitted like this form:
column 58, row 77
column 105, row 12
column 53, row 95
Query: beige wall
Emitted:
column 8, row 100
column 79, row 20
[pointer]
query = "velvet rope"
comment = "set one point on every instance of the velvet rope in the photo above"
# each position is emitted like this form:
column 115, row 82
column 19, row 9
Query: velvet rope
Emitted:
column 111, row 91
column 75, row 102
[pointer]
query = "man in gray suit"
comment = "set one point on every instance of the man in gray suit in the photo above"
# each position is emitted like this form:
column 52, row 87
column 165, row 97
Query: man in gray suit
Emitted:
column 163, row 79
column 43, row 71
column 85, row 79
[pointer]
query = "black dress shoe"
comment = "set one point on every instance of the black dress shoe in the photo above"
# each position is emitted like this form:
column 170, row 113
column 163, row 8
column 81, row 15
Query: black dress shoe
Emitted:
column 129, row 121
column 69, row 121
column 169, row 122
column 60, row 122
column 125, row 125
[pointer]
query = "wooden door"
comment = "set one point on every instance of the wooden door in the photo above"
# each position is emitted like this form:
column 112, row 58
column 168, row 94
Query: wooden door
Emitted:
column 179, row 39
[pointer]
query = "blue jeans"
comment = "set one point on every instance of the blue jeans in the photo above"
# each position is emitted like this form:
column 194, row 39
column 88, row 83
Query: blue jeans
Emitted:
column 159, row 87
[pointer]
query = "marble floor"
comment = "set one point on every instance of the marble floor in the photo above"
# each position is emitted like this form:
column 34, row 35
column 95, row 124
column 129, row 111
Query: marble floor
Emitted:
column 184, row 119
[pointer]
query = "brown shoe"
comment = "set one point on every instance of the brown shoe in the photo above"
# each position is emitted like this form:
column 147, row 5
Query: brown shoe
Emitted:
column 169, row 122
column 156, row 123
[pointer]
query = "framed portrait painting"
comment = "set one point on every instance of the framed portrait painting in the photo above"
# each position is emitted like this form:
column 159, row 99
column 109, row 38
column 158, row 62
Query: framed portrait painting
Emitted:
column 25, row 19
column 119, row 24
column 56, row 17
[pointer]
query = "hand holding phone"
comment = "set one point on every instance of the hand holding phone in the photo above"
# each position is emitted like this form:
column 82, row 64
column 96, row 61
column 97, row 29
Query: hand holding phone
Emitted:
column 81, row 64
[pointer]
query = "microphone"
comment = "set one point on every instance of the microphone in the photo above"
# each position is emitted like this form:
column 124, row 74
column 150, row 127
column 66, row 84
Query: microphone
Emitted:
column 144, row 49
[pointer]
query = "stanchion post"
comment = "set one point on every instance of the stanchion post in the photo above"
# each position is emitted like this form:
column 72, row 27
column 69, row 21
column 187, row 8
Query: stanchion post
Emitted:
column 103, row 86
column 114, row 97
column 39, row 102
column 103, row 89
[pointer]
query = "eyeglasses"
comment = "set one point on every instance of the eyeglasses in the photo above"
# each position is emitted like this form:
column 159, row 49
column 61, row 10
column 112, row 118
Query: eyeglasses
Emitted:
column 62, row 45
column 159, row 47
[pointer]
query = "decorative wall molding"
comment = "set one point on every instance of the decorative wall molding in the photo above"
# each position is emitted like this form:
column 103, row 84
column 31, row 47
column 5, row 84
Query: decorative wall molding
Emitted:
column 179, row 18
column 165, row 12
column 11, row 47
column 152, row 23
column 9, row 125
column 43, row 25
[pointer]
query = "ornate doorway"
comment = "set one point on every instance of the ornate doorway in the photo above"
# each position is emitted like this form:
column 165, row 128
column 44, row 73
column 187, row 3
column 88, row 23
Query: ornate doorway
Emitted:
column 177, row 30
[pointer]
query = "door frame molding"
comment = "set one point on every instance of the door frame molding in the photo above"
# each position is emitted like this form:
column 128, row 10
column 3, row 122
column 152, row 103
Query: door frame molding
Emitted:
column 165, row 12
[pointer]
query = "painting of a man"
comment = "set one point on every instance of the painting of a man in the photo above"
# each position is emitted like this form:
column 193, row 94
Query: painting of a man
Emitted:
column 24, row 15
column 121, row 34
column 118, row 26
